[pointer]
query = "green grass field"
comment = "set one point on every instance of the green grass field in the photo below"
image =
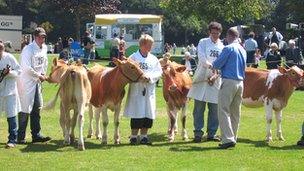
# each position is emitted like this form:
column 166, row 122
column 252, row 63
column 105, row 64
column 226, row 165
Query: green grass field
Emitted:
column 251, row 152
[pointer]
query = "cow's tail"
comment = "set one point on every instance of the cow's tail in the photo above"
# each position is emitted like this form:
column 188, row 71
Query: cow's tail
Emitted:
column 51, row 104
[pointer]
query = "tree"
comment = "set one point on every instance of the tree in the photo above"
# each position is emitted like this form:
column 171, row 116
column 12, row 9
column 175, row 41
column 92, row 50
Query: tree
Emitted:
column 84, row 10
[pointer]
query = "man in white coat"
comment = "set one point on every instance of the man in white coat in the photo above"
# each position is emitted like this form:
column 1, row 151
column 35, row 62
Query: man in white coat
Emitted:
column 141, row 103
column 33, row 62
column 206, row 84
column 9, row 99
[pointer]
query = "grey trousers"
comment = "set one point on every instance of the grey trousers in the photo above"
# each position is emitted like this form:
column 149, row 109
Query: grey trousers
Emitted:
column 229, row 109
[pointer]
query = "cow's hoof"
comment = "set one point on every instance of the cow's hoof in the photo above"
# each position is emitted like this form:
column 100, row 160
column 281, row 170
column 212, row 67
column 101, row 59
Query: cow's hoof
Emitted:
column 81, row 147
column 185, row 138
column 268, row 140
column 72, row 138
column 98, row 137
column 175, row 132
column 66, row 143
column 89, row 136
column 117, row 142
column 281, row 138
column 104, row 142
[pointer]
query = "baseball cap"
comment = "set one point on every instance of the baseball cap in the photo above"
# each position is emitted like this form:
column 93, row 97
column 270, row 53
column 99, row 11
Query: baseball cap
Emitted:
column 39, row 31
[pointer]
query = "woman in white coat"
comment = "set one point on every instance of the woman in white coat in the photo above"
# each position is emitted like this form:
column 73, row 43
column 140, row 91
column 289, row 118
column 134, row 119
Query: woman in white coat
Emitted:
column 206, row 84
column 33, row 62
column 141, row 102
column 9, row 99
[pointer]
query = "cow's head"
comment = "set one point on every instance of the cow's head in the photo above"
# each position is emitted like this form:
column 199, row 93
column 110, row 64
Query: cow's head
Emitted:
column 129, row 69
column 172, row 76
column 58, row 68
column 294, row 74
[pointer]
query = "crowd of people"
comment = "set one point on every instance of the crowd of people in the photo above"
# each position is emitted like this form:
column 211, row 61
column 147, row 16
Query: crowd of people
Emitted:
column 223, row 66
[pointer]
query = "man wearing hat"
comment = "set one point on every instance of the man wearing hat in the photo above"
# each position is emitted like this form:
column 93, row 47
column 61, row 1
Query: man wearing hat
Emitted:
column 33, row 62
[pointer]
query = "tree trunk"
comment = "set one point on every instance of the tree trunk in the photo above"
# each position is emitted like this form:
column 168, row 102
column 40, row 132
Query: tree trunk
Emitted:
column 77, row 26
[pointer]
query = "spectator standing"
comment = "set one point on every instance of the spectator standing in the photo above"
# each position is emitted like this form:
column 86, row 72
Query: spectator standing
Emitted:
column 174, row 48
column 88, row 44
column 114, row 49
column 189, row 62
column 33, row 62
column 122, row 46
column 275, row 36
column 301, row 141
column 250, row 46
column 65, row 54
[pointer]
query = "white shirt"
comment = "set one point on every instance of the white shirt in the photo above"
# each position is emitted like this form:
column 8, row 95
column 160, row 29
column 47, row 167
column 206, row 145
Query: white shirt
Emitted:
column 33, row 62
column 201, row 90
column 138, row 103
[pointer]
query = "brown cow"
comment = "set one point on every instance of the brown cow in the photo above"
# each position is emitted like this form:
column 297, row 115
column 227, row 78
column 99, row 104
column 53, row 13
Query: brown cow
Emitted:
column 271, row 89
column 177, row 83
column 108, row 91
column 75, row 93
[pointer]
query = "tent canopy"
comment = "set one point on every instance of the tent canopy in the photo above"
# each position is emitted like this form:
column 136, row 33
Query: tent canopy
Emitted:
column 109, row 19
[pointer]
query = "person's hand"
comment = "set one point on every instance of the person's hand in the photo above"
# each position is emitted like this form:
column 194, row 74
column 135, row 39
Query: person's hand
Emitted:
column 6, row 71
column 42, row 78
column 144, row 79
column 207, row 64
column 212, row 78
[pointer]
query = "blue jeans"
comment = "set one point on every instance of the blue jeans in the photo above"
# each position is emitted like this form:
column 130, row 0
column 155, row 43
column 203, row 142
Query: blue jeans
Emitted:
column 12, row 130
column 198, row 118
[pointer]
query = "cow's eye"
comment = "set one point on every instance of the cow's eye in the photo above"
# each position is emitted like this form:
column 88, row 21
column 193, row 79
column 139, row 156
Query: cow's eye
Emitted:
column 132, row 67
column 293, row 73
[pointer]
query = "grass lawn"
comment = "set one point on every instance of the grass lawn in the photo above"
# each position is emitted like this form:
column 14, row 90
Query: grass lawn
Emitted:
column 251, row 152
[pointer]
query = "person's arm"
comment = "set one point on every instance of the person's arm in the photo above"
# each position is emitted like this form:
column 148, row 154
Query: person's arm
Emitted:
column 201, row 52
column 26, row 63
column 222, row 59
column 15, row 68
column 155, row 75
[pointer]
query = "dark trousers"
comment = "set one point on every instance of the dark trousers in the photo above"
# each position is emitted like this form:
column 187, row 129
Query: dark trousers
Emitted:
column 34, row 119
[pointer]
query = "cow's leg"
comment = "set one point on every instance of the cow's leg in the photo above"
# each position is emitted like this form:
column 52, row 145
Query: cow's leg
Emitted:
column 268, row 111
column 97, row 121
column 172, row 119
column 183, row 119
column 105, row 122
column 74, row 121
column 81, row 107
column 90, row 132
column 116, row 124
column 65, row 124
column 279, row 125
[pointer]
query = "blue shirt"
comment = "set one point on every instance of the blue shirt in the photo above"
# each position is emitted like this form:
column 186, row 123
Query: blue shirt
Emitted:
column 232, row 62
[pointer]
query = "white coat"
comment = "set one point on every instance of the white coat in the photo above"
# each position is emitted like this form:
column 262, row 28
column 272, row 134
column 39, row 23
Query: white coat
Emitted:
column 201, row 90
column 33, row 62
column 9, row 98
column 138, row 103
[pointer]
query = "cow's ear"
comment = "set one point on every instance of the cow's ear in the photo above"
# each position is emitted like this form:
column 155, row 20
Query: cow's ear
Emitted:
column 117, row 61
column 55, row 61
column 181, row 69
column 282, row 70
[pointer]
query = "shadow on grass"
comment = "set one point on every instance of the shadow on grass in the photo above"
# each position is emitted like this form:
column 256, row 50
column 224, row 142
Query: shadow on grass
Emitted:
column 52, row 145
column 260, row 143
